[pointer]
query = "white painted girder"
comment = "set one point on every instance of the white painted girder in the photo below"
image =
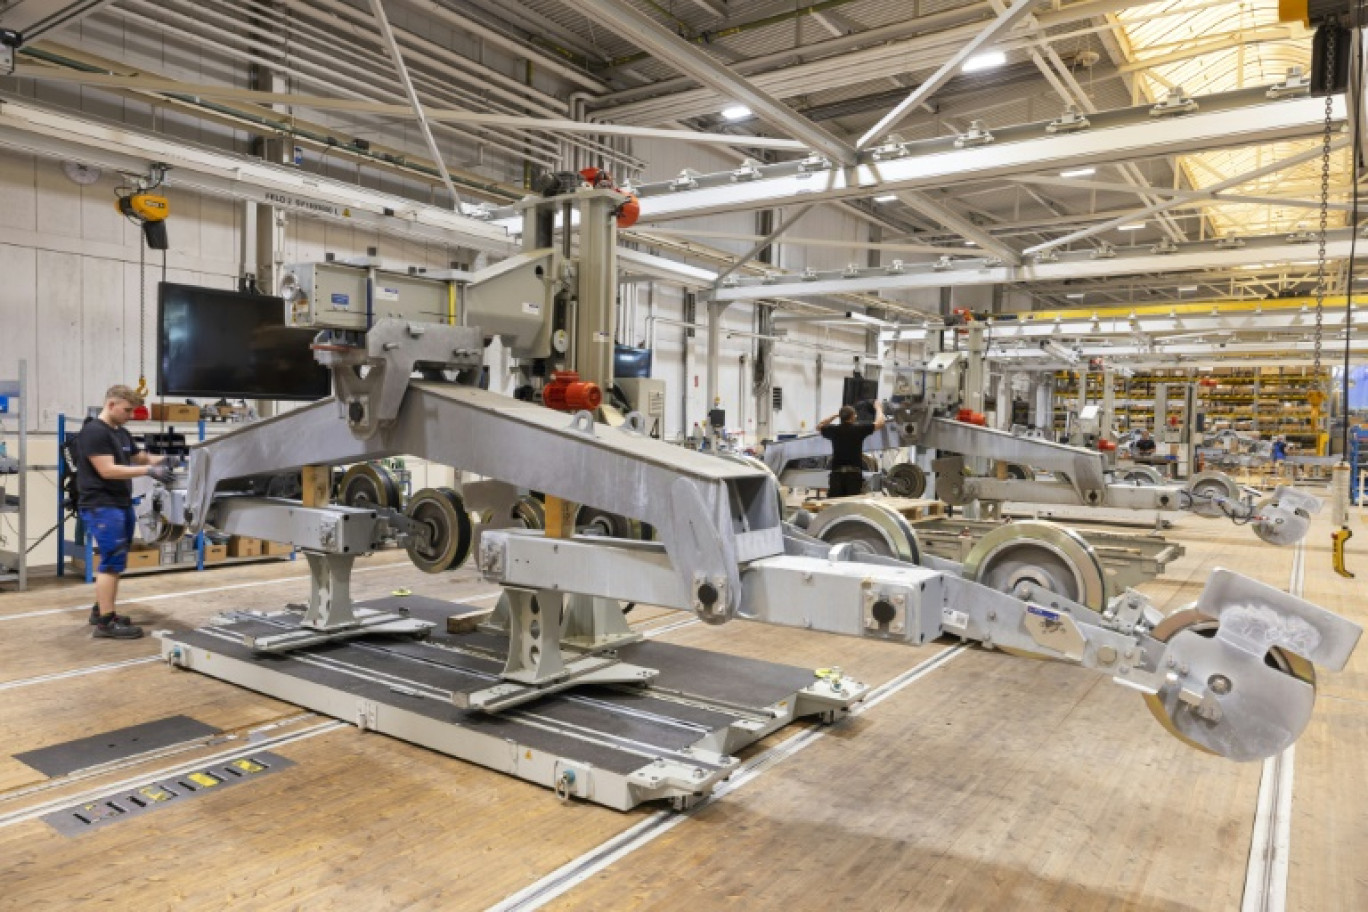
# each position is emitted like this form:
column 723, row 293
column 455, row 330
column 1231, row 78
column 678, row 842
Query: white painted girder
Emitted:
column 649, row 35
column 38, row 17
column 1199, row 131
column 1197, row 256
column 118, row 147
column 1231, row 354
column 1275, row 322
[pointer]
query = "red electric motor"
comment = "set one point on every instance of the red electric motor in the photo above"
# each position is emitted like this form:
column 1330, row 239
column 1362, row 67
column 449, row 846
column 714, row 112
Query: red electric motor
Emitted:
column 969, row 416
column 568, row 393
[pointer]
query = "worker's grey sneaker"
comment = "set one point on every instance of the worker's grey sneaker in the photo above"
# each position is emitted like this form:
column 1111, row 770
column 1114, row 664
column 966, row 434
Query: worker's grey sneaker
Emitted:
column 116, row 628
column 95, row 616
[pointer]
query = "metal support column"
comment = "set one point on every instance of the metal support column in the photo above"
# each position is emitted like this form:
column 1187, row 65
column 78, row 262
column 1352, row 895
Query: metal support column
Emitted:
column 596, row 309
column 764, row 372
column 715, row 311
column 1108, row 402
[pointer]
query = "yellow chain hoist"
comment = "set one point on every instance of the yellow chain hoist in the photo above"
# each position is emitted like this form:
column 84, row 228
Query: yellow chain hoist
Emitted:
column 148, row 210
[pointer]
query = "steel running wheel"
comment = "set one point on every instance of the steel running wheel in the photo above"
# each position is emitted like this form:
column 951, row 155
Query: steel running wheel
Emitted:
column 450, row 532
column 1206, row 486
column 1143, row 476
column 1264, row 702
column 868, row 527
column 905, row 479
column 369, row 485
column 594, row 521
column 529, row 512
column 1033, row 556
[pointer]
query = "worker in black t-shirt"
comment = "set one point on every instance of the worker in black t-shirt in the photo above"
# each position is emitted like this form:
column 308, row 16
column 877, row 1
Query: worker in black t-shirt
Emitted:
column 108, row 462
column 1144, row 447
column 847, row 448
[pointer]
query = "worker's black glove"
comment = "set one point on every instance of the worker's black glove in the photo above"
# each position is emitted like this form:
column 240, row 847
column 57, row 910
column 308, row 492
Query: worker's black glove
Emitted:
column 172, row 461
column 161, row 473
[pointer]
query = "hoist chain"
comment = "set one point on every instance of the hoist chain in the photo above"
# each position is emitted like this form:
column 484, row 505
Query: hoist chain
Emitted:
column 1330, row 35
column 142, row 317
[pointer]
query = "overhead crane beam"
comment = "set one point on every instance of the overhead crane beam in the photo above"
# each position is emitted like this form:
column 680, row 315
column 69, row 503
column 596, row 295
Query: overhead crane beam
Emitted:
column 1202, row 255
column 1240, row 118
column 1271, row 322
column 651, row 36
column 34, row 18
column 34, row 129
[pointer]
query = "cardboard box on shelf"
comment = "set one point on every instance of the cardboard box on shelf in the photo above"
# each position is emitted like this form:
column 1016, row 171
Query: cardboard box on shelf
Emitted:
column 137, row 559
column 276, row 548
column 171, row 411
column 213, row 554
column 240, row 546
column 143, row 557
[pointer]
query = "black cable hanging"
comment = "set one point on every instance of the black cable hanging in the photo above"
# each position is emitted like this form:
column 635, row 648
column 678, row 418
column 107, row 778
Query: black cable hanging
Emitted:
column 1353, row 97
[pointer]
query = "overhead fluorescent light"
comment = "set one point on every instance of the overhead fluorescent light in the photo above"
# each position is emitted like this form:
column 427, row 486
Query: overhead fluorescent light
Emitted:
column 1133, row 226
column 984, row 61
column 886, row 198
column 736, row 112
column 1078, row 172
column 1184, row 289
column 970, row 244
column 1076, row 295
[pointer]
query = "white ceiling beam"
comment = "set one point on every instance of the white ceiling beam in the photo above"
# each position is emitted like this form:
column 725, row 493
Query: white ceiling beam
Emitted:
column 1075, row 265
column 636, row 263
column 397, row 58
column 1129, row 171
column 1272, row 322
column 118, row 147
column 1224, row 127
column 764, row 242
column 34, row 18
column 807, row 241
column 1210, row 192
column 438, row 115
column 1225, row 354
column 922, row 93
column 643, row 31
column 959, row 224
column 1079, row 184
column 715, row 7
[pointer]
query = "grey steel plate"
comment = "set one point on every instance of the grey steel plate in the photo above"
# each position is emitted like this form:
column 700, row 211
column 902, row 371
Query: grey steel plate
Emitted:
column 120, row 744
column 606, row 741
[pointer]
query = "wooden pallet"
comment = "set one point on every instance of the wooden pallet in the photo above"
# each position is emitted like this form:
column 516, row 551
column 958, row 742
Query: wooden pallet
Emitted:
column 910, row 507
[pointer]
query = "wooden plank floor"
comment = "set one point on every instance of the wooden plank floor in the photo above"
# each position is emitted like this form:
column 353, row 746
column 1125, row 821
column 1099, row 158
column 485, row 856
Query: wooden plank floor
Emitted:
column 992, row 782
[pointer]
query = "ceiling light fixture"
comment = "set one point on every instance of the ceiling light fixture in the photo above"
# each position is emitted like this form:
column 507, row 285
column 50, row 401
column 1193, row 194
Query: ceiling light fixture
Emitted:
column 1133, row 226
column 886, row 198
column 736, row 112
column 1078, row 172
column 1076, row 295
column 984, row 62
column 1184, row 289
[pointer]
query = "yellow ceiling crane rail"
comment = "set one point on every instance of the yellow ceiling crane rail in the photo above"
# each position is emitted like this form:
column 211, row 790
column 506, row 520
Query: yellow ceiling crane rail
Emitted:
column 1275, row 305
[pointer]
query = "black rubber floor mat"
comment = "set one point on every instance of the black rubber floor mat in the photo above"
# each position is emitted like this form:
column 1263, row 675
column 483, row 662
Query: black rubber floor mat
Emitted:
column 61, row 759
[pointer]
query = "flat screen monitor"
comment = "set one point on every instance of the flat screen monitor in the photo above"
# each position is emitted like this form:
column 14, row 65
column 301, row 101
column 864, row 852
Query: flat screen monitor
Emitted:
column 858, row 389
column 218, row 343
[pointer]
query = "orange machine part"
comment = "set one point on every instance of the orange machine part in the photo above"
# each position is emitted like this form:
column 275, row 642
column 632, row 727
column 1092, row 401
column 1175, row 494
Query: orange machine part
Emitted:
column 969, row 416
column 1105, row 446
column 628, row 212
column 568, row 393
